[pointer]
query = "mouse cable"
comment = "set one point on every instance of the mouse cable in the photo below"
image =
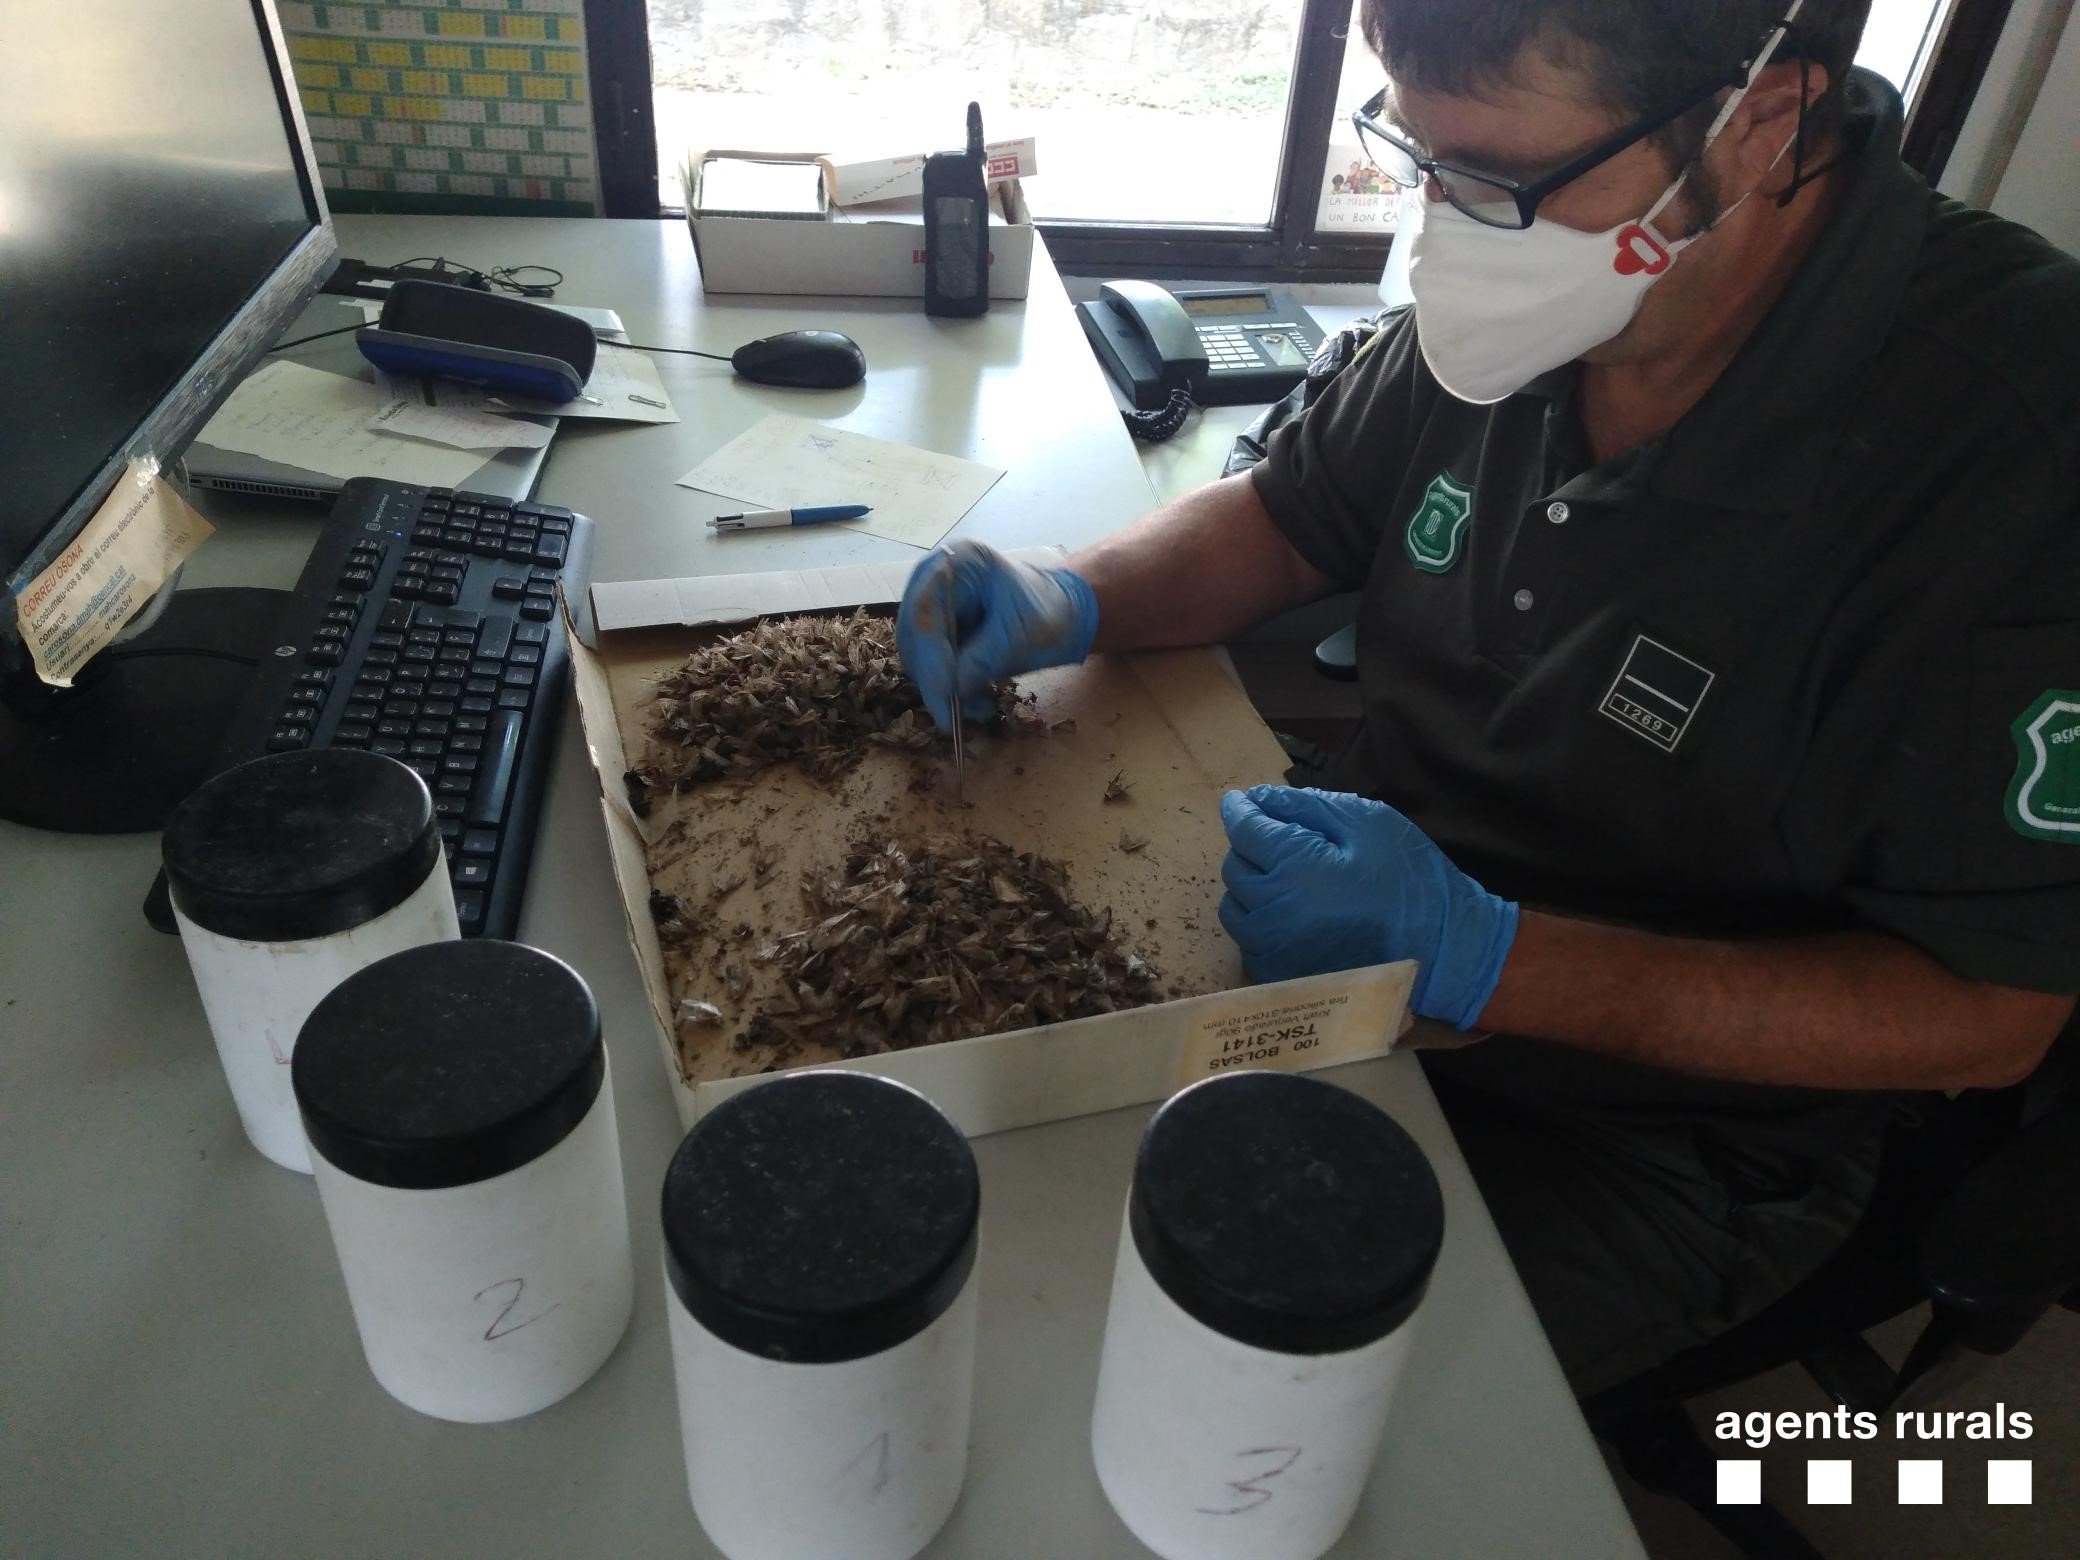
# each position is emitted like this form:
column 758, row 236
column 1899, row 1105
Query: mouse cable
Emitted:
column 1155, row 427
column 284, row 346
column 720, row 357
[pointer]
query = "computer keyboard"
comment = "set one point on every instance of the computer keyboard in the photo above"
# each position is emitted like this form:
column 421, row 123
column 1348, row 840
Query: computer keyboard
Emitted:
column 426, row 627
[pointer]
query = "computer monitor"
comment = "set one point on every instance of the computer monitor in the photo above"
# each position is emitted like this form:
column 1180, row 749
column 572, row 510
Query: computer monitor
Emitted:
column 160, row 222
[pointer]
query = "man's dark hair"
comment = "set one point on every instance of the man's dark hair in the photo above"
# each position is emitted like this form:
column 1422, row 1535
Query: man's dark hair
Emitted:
column 1641, row 56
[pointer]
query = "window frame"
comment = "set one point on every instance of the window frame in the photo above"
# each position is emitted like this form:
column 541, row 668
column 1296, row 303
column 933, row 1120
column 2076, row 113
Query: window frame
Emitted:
column 1289, row 247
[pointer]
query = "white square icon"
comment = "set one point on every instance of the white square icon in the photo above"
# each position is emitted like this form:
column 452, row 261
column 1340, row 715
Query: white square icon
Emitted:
column 1740, row 1482
column 2007, row 1481
column 1827, row 1481
column 1920, row 1483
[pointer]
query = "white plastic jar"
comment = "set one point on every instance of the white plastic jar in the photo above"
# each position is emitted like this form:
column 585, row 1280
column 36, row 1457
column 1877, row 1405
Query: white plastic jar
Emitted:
column 461, row 1121
column 819, row 1246
column 288, row 874
column 1278, row 1237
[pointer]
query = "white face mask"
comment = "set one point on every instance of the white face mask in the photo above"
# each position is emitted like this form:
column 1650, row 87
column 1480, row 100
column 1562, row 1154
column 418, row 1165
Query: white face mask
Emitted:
column 1497, row 307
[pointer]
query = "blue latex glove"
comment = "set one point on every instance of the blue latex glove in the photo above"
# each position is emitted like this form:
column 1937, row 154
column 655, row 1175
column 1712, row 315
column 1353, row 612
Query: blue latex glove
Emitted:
column 1323, row 880
column 1013, row 617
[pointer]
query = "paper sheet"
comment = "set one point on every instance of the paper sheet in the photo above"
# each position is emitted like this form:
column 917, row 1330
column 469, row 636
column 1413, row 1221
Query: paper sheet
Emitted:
column 411, row 407
column 624, row 387
column 302, row 417
column 137, row 538
column 785, row 462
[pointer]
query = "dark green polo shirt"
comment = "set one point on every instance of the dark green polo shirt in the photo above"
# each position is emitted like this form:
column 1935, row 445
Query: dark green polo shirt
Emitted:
column 1810, row 660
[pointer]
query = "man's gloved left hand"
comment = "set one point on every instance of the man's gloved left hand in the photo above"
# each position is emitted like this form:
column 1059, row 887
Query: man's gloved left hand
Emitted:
column 1323, row 880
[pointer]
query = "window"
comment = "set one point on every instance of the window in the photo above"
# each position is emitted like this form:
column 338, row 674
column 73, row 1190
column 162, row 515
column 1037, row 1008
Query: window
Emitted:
column 1145, row 110
column 1204, row 138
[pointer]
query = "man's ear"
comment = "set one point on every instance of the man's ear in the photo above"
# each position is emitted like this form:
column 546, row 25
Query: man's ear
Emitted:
column 1764, row 124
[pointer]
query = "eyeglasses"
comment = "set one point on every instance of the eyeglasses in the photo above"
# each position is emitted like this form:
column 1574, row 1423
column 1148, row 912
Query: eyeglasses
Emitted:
column 1489, row 197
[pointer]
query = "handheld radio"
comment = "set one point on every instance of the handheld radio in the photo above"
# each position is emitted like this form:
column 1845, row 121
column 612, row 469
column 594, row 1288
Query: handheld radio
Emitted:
column 956, row 228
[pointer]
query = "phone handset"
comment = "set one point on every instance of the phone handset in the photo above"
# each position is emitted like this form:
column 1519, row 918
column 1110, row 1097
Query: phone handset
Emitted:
column 1158, row 320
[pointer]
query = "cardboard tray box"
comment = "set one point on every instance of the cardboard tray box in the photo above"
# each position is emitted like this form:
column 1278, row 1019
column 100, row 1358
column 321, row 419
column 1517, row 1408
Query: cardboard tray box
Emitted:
column 1174, row 721
column 867, row 252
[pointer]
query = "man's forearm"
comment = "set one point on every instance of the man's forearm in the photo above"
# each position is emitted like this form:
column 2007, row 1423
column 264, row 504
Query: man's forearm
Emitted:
column 1197, row 571
column 1850, row 1011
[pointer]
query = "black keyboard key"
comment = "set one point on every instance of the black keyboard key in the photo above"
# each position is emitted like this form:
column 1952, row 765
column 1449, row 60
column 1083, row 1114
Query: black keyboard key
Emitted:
column 345, row 615
column 540, row 608
column 494, row 779
column 447, row 595
column 396, row 614
column 452, row 785
column 377, row 655
column 400, row 709
column 518, row 548
column 492, row 642
column 459, row 764
column 429, row 769
column 389, row 747
column 419, row 653
column 450, row 806
column 526, row 655
column 386, row 639
column 471, row 872
column 423, row 636
column 556, row 524
column 287, row 739
column 398, row 730
column 519, row 677
column 486, row 668
column 357, row 579
column 530, row 634
column 299, row 715
column 552, row 550
column 515, row 698
column 508, row 589
column 353, row 732
column 451, row 670
column 475, row 706
column 451, row 830
column 469, row 910
column 479, row 688
column 461, row 638
column 459, row 562
column 324, row 655
column 480, row 842
column 438, row 709
column 360, row 712
column 470, row 725
column 311, row 696
column 465, row 741
column 425, row 747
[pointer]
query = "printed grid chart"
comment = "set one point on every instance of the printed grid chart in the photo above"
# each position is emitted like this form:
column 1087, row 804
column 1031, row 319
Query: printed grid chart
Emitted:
column 472, row 106
column 1829, row 1480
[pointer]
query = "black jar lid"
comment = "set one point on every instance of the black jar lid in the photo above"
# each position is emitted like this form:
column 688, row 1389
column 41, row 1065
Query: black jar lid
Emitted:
column 448, row 1063
column 300, row 845
column 1285, row 1213
column 822, row 1217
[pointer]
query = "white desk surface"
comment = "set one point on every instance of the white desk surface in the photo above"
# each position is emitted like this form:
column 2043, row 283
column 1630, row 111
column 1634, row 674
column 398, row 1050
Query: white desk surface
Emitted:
column 179, row 1373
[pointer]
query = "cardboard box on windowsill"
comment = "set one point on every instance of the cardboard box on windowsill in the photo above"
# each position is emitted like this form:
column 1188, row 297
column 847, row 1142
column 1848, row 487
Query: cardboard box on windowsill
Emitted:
column 872, row 251
column 1174, row 723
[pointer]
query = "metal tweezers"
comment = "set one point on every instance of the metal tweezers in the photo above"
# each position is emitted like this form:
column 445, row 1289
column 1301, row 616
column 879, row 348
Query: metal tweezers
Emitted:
column 960, row 762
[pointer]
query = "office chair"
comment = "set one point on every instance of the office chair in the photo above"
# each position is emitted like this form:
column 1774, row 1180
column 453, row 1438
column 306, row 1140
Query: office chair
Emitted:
column 1976, row 1213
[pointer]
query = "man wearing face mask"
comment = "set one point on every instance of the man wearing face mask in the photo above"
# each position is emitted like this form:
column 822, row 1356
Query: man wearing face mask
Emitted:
column 1714, row 514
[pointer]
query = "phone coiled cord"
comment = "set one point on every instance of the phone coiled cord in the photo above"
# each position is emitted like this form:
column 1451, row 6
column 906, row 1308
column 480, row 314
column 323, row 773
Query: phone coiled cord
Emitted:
column 1155, row 427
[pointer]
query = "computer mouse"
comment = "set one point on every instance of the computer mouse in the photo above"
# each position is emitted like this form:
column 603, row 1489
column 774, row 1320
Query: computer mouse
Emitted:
column 802, row 359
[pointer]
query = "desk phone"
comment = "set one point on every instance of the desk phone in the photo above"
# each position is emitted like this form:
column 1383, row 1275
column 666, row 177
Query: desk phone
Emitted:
column 1229, row 346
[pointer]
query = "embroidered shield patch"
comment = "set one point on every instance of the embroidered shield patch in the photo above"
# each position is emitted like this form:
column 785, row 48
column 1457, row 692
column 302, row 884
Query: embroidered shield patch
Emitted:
column 2044, row 796
column 1438, row 526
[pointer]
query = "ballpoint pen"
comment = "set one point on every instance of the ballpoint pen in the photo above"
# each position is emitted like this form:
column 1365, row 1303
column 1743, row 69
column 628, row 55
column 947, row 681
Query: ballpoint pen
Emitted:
column 760, row 519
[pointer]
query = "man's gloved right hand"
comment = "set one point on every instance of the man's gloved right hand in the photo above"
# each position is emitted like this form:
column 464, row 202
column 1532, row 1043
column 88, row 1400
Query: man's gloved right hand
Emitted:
column 1008, row 617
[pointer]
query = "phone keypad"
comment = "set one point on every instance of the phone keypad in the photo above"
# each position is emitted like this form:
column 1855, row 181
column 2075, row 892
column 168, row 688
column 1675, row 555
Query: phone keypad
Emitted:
column 1229, row 347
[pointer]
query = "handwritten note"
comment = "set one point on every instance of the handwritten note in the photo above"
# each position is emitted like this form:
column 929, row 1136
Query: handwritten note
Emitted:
column 137, row 538
column 783, row 462
column 302, row 417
